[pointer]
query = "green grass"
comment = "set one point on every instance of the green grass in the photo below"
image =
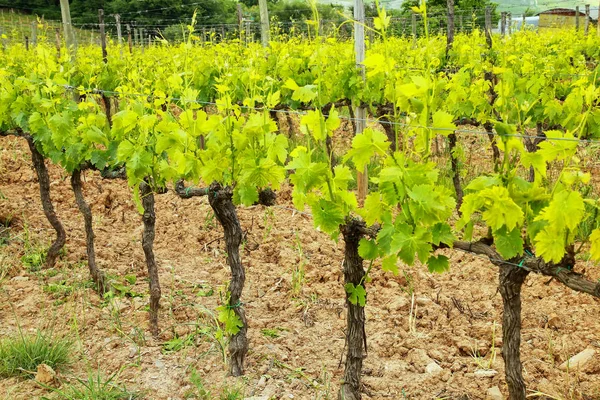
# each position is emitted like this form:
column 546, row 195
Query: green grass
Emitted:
column 95, row 387
column 21, row 355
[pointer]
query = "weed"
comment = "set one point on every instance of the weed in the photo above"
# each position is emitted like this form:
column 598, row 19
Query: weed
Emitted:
column 200, row 391
column 34, row 258
column 94, row 387
column 298, row 273
column 232, row 393
column 178, row 343
column 480, row 361
column 268, row 222
column 21, row 355
column 272, row 333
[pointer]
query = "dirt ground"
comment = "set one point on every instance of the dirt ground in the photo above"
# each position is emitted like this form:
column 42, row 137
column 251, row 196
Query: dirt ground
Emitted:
column 296, row 330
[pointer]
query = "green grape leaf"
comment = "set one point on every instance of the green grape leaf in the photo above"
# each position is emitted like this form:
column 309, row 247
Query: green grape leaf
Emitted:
column 557, row 149
column 327, row 216
column 550, row 245
column 566, row 210
column 373, row 208
column 367, row 249
column 365, row 146
column 356, row 294
column 443, row 123
column 483, row 182
column 246, row 195
column 508, row 244
column 406, row 243
column 439, row 264
column 595, row 244
column 442, row 233
column 390, row 264
column 342, row 176
column 229, row 318
column 535, row 160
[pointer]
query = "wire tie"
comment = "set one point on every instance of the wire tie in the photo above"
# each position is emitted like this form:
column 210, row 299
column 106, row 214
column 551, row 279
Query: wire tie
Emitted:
column 238, row 305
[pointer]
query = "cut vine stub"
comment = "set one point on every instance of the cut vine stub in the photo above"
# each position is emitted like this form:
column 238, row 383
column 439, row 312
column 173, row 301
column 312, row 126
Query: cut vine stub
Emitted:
column 220, row 199
column 267, row 197
column 149, row 219
column 44, row 181
column 356, row 338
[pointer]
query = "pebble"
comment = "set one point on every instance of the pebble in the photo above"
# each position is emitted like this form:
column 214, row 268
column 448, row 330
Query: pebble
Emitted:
column 578, row 360
column 485, row 373
column 433, row 369
column 494, row 393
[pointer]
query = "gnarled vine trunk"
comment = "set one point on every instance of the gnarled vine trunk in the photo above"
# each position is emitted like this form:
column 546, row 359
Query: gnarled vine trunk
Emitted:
column 44, row 181
column 149, row 219
column 455, row 171
column 356, row 338
column 220, row 199
column 97, row 275
column 511, row 282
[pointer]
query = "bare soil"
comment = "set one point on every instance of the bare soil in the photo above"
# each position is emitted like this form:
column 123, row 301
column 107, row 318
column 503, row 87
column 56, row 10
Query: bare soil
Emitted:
column 296, row 335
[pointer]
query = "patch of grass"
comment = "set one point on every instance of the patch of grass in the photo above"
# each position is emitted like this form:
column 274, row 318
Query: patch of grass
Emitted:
column 232, row 393
column 59, row 290
column 21, row 355
column 95, row 387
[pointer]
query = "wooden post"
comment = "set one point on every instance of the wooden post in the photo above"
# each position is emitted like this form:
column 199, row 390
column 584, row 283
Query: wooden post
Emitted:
column 509, row 22
column 577, row 18
column 450, row 28
column 371, row 34
column 68, row 28
column 240, row 16
column 265, row 28
column 119, row 35
column 524, row 22
column 503, row 23
column 102, row 35
column 57, row 36
column 587, row 19
column 27, row 43
column 249, row 33
column 360, row 112
column 414, row 28
column 460, row 21
column 34, row 33
column 129, row 39
column 488, row 26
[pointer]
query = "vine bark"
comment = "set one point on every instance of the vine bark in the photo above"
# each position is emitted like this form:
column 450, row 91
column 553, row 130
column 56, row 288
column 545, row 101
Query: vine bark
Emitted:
column 356, row 338
column 220, row 199
column 44, row 181
column 511, row 282
column 98, row 276
column 149, row 219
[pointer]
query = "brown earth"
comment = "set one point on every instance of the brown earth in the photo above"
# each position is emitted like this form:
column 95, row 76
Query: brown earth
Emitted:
column 296, row 336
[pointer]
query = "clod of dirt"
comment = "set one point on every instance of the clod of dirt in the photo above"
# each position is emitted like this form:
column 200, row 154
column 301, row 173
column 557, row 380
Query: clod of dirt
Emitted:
column 45, row 374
